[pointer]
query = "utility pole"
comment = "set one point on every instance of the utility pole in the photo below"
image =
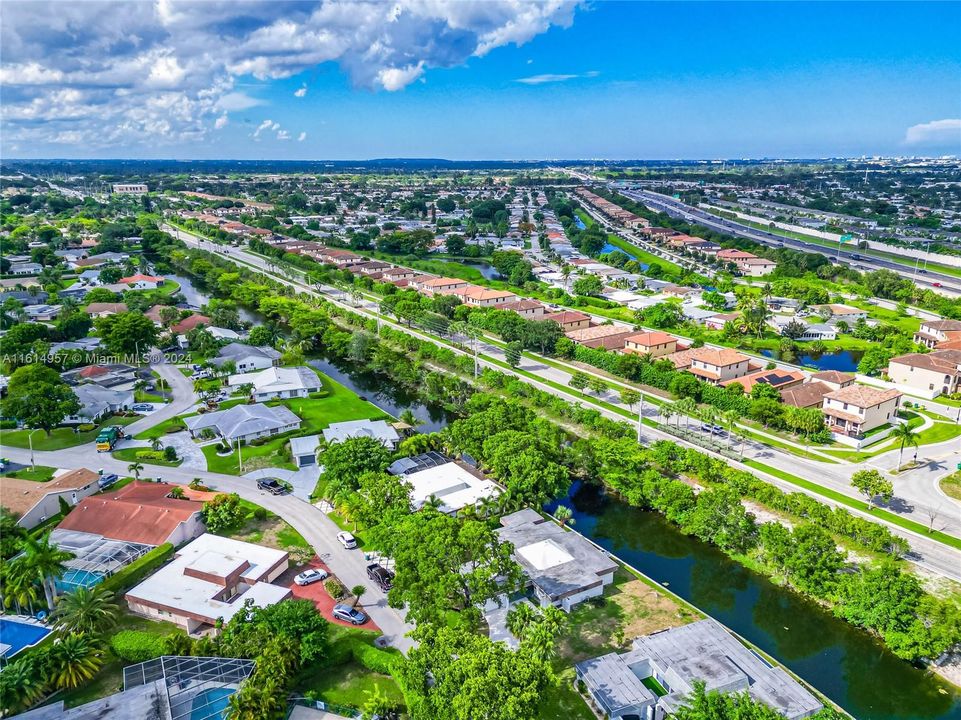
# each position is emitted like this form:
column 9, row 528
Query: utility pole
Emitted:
column 240, row 459
column 640, row 419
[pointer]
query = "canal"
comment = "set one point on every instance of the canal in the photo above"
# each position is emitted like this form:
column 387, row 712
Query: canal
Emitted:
column 195, row 297
column 842, row 360
column 844, row 663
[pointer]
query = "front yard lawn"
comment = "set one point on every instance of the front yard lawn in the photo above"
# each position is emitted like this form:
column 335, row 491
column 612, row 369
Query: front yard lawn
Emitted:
column 130, row 455
column 272, row 531
column 39, row 473
column 952, row 485
column 62, row 437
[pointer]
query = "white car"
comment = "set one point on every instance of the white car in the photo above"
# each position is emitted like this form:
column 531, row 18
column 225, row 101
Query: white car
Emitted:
column 347, row 540
column 311, row 576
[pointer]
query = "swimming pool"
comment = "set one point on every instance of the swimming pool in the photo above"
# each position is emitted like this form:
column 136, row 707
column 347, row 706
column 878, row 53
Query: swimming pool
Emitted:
column 211, row 704
column 73, row 579
column 15, row 636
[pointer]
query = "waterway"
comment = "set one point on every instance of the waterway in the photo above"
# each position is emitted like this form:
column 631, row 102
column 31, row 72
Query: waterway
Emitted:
column 842, row 662
column 842, row 360
column 484, row 268
column 196, row 297
column 390, row 398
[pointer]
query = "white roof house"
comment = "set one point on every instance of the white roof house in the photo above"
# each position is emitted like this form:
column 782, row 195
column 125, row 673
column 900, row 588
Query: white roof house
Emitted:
column 245, row 422
column 210, row 578
column 452, row 484
column 247, row 357
column 377, row 429
column 275, row 382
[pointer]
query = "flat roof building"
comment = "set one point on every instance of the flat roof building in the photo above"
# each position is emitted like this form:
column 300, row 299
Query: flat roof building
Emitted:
column 453, row 484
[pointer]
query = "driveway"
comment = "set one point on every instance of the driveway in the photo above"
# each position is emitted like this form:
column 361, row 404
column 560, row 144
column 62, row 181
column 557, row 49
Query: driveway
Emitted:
column 302, row 481
column 182, row 391
column 317, row 594
column 192, row 454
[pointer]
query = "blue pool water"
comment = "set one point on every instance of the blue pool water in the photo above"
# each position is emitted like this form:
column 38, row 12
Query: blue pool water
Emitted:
column 73, row 579
column 19, row 635
column 579, row 223
column 211, row 704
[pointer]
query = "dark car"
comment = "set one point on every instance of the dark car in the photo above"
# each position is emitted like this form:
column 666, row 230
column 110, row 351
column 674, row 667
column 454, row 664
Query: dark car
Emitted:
column 271, row 485
column 383, row 577
column 349, row 614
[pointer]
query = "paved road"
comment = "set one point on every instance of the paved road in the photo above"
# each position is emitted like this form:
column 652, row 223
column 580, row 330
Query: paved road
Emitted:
column 318, row 529
column 918, row 501
column 677, row 209
column 181, row 388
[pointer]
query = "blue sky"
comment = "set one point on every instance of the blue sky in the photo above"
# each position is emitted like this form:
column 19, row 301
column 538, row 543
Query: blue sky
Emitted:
column 517, row 81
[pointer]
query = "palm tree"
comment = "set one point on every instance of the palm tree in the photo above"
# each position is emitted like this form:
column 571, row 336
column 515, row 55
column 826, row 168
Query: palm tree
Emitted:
column 136, row 468
column 520, row 617
column 667, row 412
column 357, row 591
column 907, row 436
column 47, row 562
column 91, row 611
column 730, row 419
column 156, row 444
column 433, row 502
column 687, row 406
column 23, row 683
column 564, row 515
column 74, row 661
column 19, row 584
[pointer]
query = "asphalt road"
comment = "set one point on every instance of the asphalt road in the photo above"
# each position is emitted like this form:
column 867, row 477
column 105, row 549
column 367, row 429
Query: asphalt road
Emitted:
column 677, row 209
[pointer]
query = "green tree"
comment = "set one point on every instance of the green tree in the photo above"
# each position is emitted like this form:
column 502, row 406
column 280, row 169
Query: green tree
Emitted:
column 872, row 484
column 127, row 333
column 136, row 468
column 512, row 353
column 92, row 611
column 588, row 285
column 46, row 560
column 382, row 498
column 905, row 435
column 578, row 380
column 596, row 384
column 814, row 560
column 223, row 512
column 74, row 660
column 39, row 397
column 345, row 462
column 630, row 398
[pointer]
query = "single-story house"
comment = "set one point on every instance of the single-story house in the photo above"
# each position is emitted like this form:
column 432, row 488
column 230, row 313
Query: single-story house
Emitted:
column 103, row 309
column 142, row 282
column 42, row 313
column 377, row 429
column 34, row 296
column 190, row 322
column 25, row 269
column 455, row 485
column 212, row 578
column 304, row 450
column 245, row 422
column 564, row 567
column 275, row 383
column 89, row 277
column 220, row 333
column 34, row 502
column 247, row 358
column 97, row 402
column 675, row 659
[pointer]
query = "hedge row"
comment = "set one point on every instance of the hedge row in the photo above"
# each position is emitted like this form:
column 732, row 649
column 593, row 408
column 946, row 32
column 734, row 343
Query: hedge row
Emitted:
column 140, row 568
column 137, row 646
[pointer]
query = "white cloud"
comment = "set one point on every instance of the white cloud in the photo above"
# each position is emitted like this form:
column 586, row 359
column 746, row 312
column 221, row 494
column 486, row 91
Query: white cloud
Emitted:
column 167, row 71
column 283, row 135
column 555, row 77
column 936, row 132
column 221, row 122
column 265, row 125
column 302, row 137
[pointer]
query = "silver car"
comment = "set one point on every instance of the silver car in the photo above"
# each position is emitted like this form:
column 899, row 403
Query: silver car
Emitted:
column 311, row 576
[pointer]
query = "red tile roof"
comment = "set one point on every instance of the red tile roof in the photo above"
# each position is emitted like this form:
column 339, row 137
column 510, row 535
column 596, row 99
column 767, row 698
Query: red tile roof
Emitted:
column 190, row 322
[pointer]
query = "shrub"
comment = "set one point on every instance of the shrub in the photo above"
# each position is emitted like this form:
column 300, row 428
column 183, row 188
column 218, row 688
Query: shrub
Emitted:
column 136, row 646
column 139, row 569
column 170, row 453
column 8, row 424
column 334, row 588
column 318, row 395
column 260, row 513
column 148, row 455
column 372, row 658
column 173, row 429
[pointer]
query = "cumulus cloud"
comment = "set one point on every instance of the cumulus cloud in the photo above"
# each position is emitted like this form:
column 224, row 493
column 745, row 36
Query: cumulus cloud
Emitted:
column 283, row 135
column 168, row 70
column 302, row 137
column 265, row 125
column 555, row 77
column 936, row 132
column 221, row 122
column 300, row 92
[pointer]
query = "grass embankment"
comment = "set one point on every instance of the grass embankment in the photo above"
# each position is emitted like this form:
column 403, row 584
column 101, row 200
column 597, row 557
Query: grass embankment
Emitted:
column 62, row 437
column 951, row 485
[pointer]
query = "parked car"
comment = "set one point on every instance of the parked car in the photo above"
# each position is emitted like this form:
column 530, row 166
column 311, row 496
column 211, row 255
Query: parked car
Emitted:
column 347, row 540
column 718, row 430
column 349, row 614
column 381, row 576
column 705, row 427
column 142, row 407
column 311, row 576
column 272, row 485
column 105, row 481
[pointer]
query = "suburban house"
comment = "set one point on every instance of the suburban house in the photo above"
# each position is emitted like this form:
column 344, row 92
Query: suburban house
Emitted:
column 933, row 332
column 439, row 286
column 563, row 567
column 715, row 365
column 34, row 296
column 141, row 512
column 806, row 395
column 587, row 335
column 812, row 331
column 455, row 485
column 26, row 268
column 194, row 320
column 245, row 422
column 569, row 320
column 834, row 379
column 755, row 266
column 42, row 313
column 927, row 374
column 212, row 578
column 776, row 378
column 379, row 430
column 247, row 358
column 103, row 309
column 34, row 501
column 485, row 297
column 142, row 282
column 525, row 308
column 627, row 686
column 858, row 409
column 652, row 344
column 91, row 278
column 836, row 312
column 97, row 402
column 275, row 383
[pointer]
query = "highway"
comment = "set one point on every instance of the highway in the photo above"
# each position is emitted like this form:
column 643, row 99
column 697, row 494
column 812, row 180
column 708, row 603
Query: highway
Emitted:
column 677, row 209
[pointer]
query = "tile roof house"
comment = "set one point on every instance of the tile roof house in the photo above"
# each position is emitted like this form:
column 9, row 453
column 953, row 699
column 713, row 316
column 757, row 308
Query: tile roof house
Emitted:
column 276, row 383
column 34, row 501
column 652, row 344
column 806, row 395
column 715, row 365
column 777, row 378
column 142, row 282
column 245, row 422
column 247, row 358
column 103, row 309
column 563, row 567
column 595, row 332
column 525, row 307
column 141, row 512
column 933, row 332
column 676, row 659
column 189, row 323
column 569, row 319
column 927, row 374
column 858, row 409
column 834, row 379
column 209, row 579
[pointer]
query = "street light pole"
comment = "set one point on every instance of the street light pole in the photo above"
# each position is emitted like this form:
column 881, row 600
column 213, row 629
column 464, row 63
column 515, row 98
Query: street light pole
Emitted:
column 640, row 418
column 30, row 440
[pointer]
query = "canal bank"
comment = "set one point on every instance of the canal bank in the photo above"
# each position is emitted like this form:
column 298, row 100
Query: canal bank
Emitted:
column 846, row 664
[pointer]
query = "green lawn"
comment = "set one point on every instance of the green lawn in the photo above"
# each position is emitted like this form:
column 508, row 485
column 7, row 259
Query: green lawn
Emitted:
column 39, row 473
column 141, row 396
column 272, row 531
column 130, row 455
column 62, row 437
column 952, row 485
column 564, row 701
column 352, row 684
